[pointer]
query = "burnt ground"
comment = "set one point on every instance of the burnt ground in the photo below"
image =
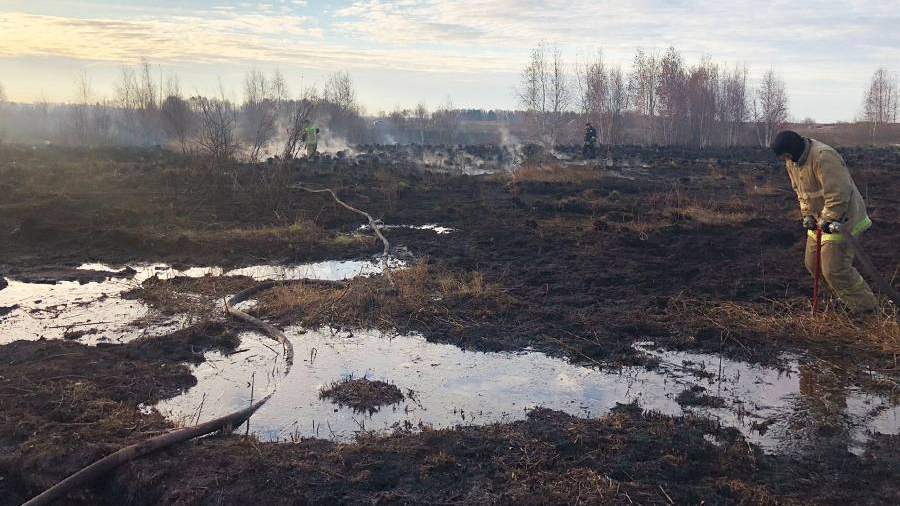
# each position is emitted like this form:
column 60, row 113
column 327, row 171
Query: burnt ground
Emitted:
column 692, row 250
column 66, row 404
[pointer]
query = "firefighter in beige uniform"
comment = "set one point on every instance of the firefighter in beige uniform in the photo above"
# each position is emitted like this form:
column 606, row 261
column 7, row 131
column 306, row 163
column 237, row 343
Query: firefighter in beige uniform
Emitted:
column 828, row 199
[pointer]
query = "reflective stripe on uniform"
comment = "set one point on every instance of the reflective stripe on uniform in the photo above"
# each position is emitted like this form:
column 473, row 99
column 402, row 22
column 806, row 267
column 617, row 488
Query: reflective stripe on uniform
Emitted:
column 808, row 195
column 858, row 287
column 857, row 229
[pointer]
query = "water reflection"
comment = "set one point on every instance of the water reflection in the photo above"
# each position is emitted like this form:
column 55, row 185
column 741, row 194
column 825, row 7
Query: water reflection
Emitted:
column 451, row 386
column 95, row 311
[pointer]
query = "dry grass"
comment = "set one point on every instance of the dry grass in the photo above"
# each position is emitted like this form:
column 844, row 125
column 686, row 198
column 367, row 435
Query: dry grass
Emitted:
column 789, row 319
column 678, row 206
column 554, row 173
column 709, row 215
column 304, row 232
column 194, row 296
column 420, row 293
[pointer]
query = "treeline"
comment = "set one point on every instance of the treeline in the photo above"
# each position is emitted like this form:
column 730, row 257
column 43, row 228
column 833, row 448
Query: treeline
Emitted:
column 149, row 109
column 661, row 99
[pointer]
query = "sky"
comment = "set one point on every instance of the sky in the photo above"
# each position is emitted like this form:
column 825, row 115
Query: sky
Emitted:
column 471, row 52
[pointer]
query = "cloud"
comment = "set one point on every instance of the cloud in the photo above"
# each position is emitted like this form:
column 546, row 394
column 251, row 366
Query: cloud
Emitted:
column 822, row 48
column 221, row 37
column 740, row 31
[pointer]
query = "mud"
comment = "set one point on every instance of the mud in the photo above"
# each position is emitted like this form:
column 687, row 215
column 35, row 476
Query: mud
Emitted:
column 50, row 276
column 625, row 457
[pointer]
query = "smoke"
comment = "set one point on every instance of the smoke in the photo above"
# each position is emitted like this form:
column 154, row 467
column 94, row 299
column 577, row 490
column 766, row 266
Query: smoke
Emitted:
column 510, row 143
column 331, row 143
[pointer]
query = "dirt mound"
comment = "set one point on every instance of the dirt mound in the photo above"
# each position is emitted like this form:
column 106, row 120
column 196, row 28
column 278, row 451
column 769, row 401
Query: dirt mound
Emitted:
column 362, row 394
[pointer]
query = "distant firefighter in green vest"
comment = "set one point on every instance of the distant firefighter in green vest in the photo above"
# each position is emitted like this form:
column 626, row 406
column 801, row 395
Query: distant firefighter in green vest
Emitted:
column 311, row 138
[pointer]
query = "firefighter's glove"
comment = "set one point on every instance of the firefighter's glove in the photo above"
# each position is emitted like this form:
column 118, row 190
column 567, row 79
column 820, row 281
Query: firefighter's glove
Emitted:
column 830, row 227
column 809, row 223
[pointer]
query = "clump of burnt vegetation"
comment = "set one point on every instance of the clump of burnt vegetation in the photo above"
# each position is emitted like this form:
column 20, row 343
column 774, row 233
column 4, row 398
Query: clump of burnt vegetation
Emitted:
column 362, row 394
column 187, row 295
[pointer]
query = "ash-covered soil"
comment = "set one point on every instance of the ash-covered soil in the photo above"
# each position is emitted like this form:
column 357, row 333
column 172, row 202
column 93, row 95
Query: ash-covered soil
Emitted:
column 693, row 250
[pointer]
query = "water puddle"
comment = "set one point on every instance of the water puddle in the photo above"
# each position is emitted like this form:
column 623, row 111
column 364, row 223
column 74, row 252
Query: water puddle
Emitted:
column 437, row 229
column 781, row 409
column 95, row 312
column 446, row 386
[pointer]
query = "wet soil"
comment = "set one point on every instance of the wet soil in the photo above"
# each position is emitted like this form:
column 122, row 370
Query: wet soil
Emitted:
column 66, row 404
column 52, row 275
column 551, row 458
column 697, row 396
column 362, row 394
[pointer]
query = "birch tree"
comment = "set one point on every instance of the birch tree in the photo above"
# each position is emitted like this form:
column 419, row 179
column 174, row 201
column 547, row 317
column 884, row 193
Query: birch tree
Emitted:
column 770, row 107
column 560, row 95
column 533, row 92
column 593, row 88
column 617, row 103
column 880, row 104
column 642, row 85
column 672, row 96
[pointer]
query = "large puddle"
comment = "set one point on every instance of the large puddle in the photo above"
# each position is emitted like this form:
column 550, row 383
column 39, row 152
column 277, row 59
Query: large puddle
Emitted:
column 778, row 408
column 446, row 386
column 96, row 313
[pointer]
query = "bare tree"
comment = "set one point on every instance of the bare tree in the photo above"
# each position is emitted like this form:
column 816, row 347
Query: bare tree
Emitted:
column 770, row 107
column 446, row 122
column 533, row 89
column 880, row 104
column 139, row 99
column 299, row 114
column 702, row 94
column 643, row 83
column 671, row 93
column 559, row 96
column 177, row 116
column 421, row 116
column 79, row 120
column 734, row 108
column 339, row 91
column 217, row 118
column 259, row 112
column 617, row 103
column 544, row 92
column 593, row 87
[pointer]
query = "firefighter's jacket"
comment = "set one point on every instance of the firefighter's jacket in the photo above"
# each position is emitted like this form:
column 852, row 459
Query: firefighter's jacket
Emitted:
column 826, row 191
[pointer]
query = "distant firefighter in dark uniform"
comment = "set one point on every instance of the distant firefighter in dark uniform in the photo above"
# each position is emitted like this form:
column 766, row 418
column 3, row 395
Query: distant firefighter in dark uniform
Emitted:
column 589, row 151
